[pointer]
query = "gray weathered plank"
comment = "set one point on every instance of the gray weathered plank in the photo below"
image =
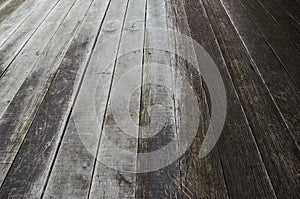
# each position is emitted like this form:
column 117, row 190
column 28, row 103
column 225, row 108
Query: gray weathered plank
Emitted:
column 83, row 161
column 34, row 52
column 157, row 111
column 196, row 180
column 38, row 81
column 120, row 182
column 15, row 116
column 11, row 6
column 12, row 22
column 15, row 37
column 71, row 173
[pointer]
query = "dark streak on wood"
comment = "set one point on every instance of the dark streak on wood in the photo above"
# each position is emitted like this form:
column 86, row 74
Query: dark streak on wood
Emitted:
column 278, row 149
column 42, row 138
column 38, row 148
column 240, row 157
column 285, row 50
column 200, row 178
column 9, row 8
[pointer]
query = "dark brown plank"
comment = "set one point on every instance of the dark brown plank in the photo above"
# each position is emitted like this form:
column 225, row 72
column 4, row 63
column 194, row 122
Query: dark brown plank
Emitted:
column 233, row 145
column 277, row 147
column 288, row 24
column 292, row 7
column 285, row 50
column 284, row 93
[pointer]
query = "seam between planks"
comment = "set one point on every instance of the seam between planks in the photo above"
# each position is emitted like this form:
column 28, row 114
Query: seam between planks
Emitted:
column 38, row 58
column 19, row 51
column 35, row 111
column 65, row 124
column 16, row 28
column 107, row 101
column 279, row 24
column 268, row 43
column 238, row 97
column 257, row 71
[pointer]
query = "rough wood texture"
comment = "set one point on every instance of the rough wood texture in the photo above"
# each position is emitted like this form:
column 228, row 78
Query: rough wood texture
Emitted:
column 13, row 38
column 268, row 126
column 29, row 87
column 197, row 180
column 241, row 165
column 68, row 68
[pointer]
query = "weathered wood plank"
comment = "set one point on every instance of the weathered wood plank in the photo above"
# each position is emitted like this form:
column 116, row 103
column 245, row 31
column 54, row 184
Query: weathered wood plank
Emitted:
column 157, row 111
column 21, row 109
column 72, row 170
column 288, row 24
column 38, row 81
column 285, row 50
column 118, row 183
column 32, row 54
column 277, row 147
column 4, row 3
column 200, row 177
column 82, row 163
column 233, row 145
column 292, row 7
column 16, row 18
column 15, row 37
column 9, row 87
column 7, row 9
column 284, row 93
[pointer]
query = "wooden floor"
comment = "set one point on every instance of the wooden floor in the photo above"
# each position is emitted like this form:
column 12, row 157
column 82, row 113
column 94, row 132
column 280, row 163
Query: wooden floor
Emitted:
column 53, row 53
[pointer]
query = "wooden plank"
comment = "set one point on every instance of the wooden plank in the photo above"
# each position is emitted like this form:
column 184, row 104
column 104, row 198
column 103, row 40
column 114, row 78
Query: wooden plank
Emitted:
column 35, row 50
column 292, row 7
column 16, row 37
column 110, row 179
column 284, row 93
column 9, row 8
column 4, row 2
column 285, row 50
column 23, row 115
column 288, row 24
column 278, row 149
column 33, row 90
column 83, row 161
column 18, row 117
column 72, row 170
column 157, row 118
column 233, row 145
column 16, row 18
column 200, row 177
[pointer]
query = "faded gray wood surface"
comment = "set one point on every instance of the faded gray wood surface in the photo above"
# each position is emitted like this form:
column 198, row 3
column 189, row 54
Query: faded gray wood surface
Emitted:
column 63, row 90
column 13, row 38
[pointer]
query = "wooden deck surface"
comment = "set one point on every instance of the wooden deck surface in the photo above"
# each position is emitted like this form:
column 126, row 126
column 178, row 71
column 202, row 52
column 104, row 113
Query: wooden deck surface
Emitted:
column 60, row 59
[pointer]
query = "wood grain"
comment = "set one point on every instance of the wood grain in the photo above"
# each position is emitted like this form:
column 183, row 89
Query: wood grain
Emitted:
column 278, row 149
column 31, row 149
